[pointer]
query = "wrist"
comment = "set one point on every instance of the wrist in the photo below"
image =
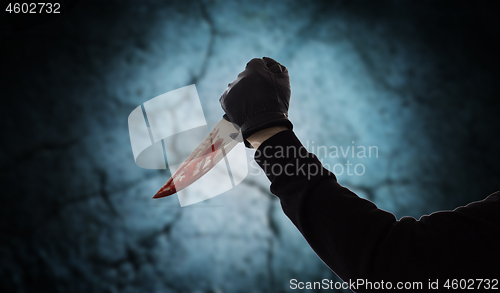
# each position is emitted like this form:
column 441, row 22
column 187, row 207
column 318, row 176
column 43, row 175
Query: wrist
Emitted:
column 259, row 137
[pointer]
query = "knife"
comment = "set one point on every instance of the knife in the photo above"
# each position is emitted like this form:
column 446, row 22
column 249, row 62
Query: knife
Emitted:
column 216, row 145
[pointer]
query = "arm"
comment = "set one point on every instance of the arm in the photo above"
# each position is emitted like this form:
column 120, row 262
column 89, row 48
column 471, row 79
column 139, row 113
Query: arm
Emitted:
column 358, row 240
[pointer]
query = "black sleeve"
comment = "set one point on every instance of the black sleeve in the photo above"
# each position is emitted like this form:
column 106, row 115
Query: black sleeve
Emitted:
column 358, row 240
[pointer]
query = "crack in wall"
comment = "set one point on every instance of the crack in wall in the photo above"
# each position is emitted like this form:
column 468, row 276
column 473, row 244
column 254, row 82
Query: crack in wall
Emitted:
column 272, row 225
column 58, row 206
column 103, row 192
column 210, row 47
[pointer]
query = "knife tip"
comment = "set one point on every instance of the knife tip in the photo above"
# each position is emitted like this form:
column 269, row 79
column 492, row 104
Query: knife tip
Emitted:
column 161, row 194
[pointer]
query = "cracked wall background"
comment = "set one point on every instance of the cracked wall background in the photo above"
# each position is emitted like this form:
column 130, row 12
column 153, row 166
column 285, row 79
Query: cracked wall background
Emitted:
column 417, row 80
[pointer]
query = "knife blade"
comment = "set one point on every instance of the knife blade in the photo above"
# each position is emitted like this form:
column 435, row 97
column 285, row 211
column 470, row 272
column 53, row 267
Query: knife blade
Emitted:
column 216, row 145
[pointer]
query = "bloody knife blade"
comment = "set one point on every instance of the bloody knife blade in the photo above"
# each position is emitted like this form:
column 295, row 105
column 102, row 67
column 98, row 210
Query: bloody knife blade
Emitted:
column 218, row 143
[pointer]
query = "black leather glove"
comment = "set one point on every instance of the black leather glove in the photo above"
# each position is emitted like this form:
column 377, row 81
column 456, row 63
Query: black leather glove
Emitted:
column 259, row 97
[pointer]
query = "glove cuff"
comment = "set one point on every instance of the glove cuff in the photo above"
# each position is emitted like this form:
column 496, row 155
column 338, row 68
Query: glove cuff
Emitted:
column 262, row 121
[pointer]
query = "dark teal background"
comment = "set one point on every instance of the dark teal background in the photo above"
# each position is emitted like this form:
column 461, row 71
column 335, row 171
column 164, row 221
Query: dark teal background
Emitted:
column 417, row 79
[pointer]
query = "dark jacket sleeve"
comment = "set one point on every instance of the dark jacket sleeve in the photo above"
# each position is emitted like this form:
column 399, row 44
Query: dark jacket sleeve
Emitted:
column 358, row 240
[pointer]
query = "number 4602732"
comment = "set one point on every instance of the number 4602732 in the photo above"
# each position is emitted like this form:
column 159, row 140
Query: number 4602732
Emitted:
column 33, row 8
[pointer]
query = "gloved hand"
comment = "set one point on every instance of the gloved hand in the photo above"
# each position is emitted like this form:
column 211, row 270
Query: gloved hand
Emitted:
column 259, row 97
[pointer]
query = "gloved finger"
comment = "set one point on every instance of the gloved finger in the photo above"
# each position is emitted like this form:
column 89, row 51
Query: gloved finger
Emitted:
column 269, row 61
column 276, row 68
column 273, row 65
column 255, row 64
column 265, row 63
